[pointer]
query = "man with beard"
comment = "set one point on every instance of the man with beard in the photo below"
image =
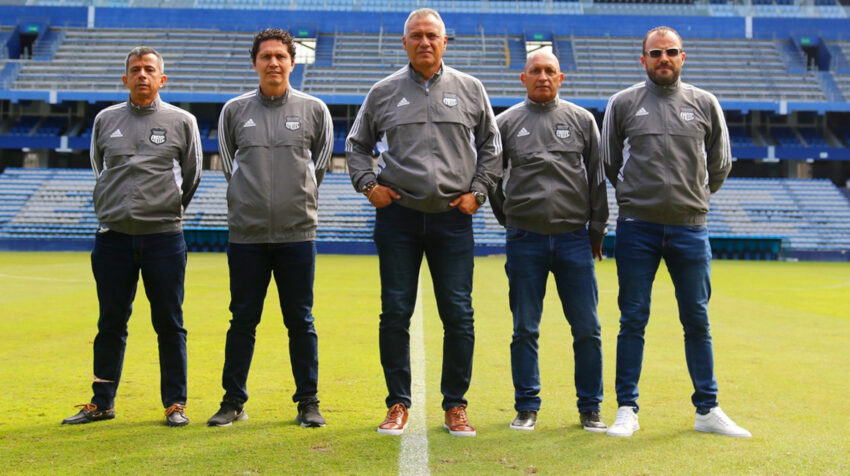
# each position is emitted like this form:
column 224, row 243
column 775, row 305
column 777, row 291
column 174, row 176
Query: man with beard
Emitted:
column 665, row 148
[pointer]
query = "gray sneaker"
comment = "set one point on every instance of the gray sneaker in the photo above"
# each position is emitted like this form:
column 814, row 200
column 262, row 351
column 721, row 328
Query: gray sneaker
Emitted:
column 524, row 420
column 308, row 415
column 227, row 414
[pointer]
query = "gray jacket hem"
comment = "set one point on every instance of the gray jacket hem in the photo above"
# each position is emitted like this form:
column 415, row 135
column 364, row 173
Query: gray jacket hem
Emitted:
column 662, row 218
column 236, row 236
column 141, row 228
column 535, row 226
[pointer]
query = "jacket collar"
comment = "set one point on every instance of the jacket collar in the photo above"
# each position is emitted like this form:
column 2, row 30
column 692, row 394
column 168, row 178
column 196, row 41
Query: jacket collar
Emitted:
column 544, row 106
column 273, row 101
column 663, row 90
column 414, row 75
column 144, row 110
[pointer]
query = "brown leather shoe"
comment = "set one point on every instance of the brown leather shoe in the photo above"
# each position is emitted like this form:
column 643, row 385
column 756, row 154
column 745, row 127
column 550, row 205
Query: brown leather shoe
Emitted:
column 396, row 420
column 457, row 423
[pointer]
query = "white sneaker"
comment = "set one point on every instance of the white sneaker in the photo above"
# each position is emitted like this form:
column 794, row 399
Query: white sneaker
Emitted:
column 625, row 424
column 715, row 421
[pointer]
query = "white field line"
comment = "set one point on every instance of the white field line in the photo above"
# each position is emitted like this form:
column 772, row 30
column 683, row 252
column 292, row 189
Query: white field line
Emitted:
column 413, row 459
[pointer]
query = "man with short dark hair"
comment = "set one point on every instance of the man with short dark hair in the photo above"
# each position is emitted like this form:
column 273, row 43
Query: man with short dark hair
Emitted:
column 440, row 156
column 555, row 206
column 275, row 144
column 666, row 149
column 146, row 155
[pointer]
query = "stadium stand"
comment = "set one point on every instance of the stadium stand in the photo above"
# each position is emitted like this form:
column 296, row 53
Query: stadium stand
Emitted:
column 781, row 69
column 785, row 137
column 485, row 57
column 841, row 66
column 603, row 66
column 56, row 204
column 739, row 136
column 90, row 60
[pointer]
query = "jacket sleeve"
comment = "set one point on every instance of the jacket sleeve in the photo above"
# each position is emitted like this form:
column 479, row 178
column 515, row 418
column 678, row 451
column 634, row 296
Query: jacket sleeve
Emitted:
column 192, row 160
column 488, row 143
column 360, row 142
column 95, row 154
column 611, row 143
column 323, row 143
column 497, row 193
column 226, row 141
column 596, row 183
column 717, row 148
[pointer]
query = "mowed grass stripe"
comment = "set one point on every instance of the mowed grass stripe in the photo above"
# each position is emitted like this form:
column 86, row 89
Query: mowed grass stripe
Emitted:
column 780, row 337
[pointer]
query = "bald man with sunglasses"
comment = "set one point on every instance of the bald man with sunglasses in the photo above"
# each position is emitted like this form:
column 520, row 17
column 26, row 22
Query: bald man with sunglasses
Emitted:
column 665, row 148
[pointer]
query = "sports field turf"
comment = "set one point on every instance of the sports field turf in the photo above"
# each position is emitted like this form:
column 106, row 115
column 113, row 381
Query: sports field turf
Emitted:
column 781, row 338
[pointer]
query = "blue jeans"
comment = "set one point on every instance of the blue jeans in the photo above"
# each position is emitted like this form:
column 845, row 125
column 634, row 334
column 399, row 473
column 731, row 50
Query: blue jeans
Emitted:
column 530, row 258
column 402, row 236
column 116, row 261
column 251, row 268
column 686, row 251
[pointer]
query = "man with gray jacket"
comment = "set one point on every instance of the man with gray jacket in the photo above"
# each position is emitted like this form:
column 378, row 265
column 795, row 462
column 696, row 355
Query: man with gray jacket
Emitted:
column 555, row 206
column 275, row 144
column 665, row 147
column 146, row 155
column 440, row 151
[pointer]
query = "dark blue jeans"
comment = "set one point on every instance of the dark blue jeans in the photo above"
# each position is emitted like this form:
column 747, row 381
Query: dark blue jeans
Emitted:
column 402, row 236
column 686, row 251
column 116, row 261
column 251, row 268
column 530, row 258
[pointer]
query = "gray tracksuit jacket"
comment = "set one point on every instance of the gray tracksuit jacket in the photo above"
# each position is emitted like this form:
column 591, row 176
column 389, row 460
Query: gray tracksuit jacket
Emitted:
column 274, row 152
column 665, row 150
column 554, row 181
column 147, row 162
column 437, row 140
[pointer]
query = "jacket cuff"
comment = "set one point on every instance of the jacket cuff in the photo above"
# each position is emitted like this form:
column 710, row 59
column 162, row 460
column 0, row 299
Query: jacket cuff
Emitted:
column 597, row 232
column 478, row 186
column 366, row 178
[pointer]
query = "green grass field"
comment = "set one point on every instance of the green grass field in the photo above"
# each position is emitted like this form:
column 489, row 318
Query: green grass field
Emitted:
column 781, row 339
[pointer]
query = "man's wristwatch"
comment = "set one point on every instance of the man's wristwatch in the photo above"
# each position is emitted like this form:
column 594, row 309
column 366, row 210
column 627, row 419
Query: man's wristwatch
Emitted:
column 480, row 197
column 368, row 188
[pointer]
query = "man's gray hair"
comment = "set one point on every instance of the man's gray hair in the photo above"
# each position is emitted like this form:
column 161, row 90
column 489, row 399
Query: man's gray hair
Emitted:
column 140, row 51
column 421, row 13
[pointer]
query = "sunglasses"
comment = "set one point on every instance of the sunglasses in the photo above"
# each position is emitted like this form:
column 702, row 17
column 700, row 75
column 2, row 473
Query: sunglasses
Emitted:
column 671, row 53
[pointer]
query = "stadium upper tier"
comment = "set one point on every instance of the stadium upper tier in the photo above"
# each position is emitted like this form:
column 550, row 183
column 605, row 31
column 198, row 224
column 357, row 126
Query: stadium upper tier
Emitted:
column 93, row 60
column 755, row 8
column 213, row 61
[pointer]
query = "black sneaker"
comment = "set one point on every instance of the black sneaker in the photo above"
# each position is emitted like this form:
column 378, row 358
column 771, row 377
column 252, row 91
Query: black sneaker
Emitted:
column 591, row 421
column 227, row 414
column 308, row 415
column 88, row 414
column 175, row 415
column 524, row 421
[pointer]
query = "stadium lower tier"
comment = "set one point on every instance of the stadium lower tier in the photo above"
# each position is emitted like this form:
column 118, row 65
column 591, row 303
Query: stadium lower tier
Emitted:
column 46, row 209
